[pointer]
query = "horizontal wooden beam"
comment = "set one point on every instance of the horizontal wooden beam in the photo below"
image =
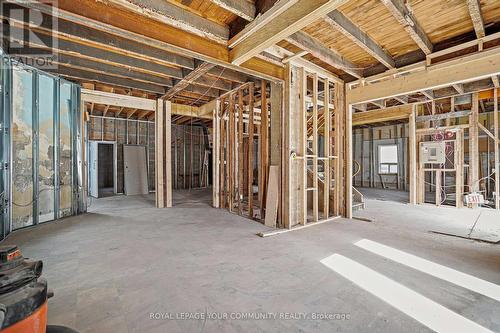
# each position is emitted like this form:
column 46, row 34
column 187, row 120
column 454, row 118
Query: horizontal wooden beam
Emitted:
column 83, row 75
column 318, row 50
column 192, row 76
column 242, row 8
column 119, row 100
column 337, row 20
column 468, row 68
column 401, row 13
column 476, row 17
column 377, row 116
column 168, row 13
column 147, row 33
column 296, row 17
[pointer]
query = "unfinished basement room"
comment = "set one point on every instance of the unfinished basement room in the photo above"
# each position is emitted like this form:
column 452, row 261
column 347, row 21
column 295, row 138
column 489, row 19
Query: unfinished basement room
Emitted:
column 249, row 166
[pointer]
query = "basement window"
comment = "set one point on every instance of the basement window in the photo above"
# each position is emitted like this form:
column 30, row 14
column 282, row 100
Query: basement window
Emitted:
column 388, row 159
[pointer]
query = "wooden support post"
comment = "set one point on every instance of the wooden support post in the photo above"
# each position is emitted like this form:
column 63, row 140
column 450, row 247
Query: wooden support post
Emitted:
column 474, row 145
column 240, row 151
column 497, row 148
column 159, row 152
column 459, row 168
column 250, row 149
column 315, row 152
column 168, row 154
column 264, row 150
column 222, row 171
column 231, row 150
column 163, row 161
column 216, row 158
column 438, row 187
column 326, row 149
column 303, row 146
column 413, row 155
column 275, row 140
column 339, row 150
column 349, row 157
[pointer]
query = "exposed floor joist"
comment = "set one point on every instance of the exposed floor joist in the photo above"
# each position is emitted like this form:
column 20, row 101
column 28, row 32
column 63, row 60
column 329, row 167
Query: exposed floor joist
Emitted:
column 477, row 17
column 173, row 15
column 280, row 27
column 201, row 70
column 243, row 9
column 318, row 50
column 351, row 31
column 401, row 13
column 93, row 15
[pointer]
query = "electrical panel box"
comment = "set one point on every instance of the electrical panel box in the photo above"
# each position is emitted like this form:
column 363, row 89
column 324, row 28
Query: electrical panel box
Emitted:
column 432, row 152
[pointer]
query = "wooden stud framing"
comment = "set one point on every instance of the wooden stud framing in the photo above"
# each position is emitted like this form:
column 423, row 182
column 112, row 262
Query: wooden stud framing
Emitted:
column 497, row 148
column 163, row 159
column 474, row 145
column 327, row 151
column 413, row 155
column 251, row 128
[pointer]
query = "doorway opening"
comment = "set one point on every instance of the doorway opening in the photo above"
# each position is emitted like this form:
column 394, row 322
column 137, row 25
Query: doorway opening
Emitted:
column 102, row 169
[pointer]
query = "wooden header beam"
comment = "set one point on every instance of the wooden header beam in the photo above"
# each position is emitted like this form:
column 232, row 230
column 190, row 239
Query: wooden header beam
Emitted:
column 299, row 15
column 377, row 116
column 468, row 68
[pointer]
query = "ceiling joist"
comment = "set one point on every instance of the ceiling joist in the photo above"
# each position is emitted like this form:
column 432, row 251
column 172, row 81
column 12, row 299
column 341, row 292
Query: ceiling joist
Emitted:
column 337, row 20
column 242, row 8
column 296, row 17
column 477, row 17
column 173, row 15
column 318, row 50
column 401, row 13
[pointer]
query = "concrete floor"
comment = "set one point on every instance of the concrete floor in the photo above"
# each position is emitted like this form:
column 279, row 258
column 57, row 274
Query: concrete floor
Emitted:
column 114, row 266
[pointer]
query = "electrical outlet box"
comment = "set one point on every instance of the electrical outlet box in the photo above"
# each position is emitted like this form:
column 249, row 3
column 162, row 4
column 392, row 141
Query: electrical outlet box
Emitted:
column 433, row 152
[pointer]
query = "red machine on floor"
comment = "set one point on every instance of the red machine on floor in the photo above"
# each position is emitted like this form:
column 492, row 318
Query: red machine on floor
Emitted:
column 23, row 295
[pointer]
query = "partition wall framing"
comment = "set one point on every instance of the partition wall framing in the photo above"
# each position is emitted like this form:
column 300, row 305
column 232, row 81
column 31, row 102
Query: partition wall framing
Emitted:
column 40, row 147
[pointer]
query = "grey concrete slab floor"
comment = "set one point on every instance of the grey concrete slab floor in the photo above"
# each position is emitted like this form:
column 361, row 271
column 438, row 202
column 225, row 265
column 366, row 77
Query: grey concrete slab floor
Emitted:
column 125, row 265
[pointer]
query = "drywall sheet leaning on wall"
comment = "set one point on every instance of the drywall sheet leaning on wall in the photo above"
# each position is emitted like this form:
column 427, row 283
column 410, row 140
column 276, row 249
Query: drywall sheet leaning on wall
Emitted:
column 136, row 171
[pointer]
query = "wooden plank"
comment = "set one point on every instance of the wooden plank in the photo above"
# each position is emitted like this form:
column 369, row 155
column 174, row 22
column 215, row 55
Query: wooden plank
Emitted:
column 476, row 17
column 276, row 138
column 413, row 155
column 348, row 152
column 216, row 158
column 338, row 145
column 388, row 114
column 176, row 16
column 124, row 24
column 251, row 127
column 438, row 187
column 315, row 151
column 264, row 134
column 113, row 99
column 474, row 146
column 243, row 9
column 159, row 154
column 459, row 166
column 272, row 197
column 290, row 21
column 406, row 18
column 223, row 155
column 168, row 154
column 201, row 70
column 231, row 152
column 468, row 68
column 496, row 120
column 327, row 150
column 240, row 152
column 303, row 146
column 318, row 50
column 355, row 34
